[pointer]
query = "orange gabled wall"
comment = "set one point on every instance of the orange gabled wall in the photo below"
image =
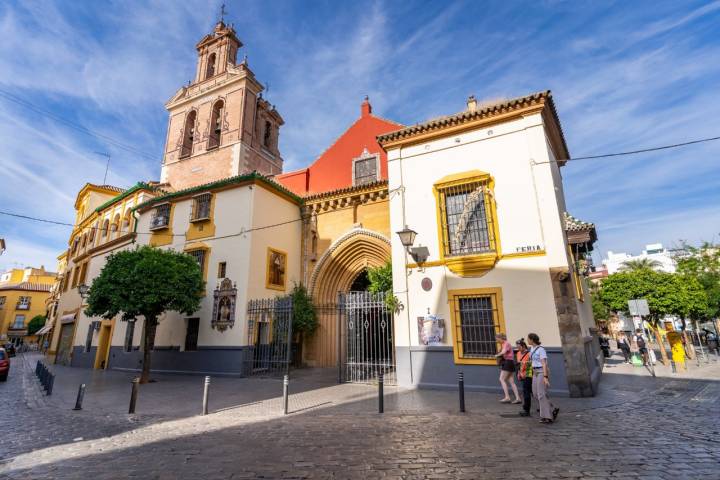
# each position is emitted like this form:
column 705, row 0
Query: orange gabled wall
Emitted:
column 333, row 169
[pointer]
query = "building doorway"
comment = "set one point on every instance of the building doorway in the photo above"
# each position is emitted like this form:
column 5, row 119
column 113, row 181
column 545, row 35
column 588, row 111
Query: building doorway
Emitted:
column 103, row 349
column 64, row 349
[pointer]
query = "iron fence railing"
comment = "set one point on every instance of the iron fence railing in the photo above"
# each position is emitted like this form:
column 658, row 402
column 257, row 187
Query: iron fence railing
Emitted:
column 269, row 337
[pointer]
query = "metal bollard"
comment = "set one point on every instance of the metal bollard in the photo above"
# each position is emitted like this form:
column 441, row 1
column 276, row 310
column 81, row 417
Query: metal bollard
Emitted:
column 206, row 390
column 50, row 383
column 461, row 391
column 80, row 396
column 286, row 387
column 134, row 394
column 381, row 395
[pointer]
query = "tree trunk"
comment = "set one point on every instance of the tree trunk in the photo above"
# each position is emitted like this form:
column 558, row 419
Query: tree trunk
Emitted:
column 149, row 330
column 663, row 354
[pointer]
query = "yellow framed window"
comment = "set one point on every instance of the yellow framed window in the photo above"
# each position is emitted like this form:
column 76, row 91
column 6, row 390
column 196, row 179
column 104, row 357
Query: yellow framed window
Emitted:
column 276, row 269
column 200, row 255
column 467, row 216
column 476, row 317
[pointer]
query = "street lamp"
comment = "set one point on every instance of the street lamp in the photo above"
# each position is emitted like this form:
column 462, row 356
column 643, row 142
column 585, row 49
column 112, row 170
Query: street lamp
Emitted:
column 407, row 238
column 83, row 290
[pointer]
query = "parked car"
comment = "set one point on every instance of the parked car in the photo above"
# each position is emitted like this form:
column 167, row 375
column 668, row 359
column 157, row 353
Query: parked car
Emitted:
column 4, row 365
column 10, row 349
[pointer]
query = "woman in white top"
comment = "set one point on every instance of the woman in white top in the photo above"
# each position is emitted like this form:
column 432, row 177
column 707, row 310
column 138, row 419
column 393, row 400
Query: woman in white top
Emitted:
column 541, row 379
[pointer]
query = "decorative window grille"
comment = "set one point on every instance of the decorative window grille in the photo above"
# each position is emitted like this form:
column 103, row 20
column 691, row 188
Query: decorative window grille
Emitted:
column 199, row 256
column 2, row 301
column 19, row 323
column 365, row 169
column 161, row 217
column 23, row 303
column 476, row 321
column 201, row 207
column 222, row 271
column 277, row 262
column 88, row 339
column 129, row 333
column 467, row 219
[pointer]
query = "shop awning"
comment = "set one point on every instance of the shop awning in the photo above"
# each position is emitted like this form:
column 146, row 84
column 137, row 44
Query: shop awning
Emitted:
column 69, row 318
column 45, row 329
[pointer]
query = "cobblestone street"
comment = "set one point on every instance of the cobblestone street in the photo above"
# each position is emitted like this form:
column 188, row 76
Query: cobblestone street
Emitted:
column 638, row 427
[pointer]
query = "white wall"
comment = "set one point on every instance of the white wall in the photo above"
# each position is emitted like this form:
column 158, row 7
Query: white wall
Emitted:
column 516, row 155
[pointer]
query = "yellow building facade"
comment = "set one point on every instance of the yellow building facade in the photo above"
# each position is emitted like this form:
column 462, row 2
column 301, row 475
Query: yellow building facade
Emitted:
column 23, row 293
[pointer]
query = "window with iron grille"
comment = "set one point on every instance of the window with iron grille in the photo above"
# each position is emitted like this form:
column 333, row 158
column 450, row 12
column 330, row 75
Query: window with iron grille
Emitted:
column 222, row 271
column 160, row 217
column 201, row 207
column 477, row 318
column 129, row 333
column 467, row 216
column 88, row 339
column 365, row 170
column 199, row 256
column 277, row 262
column 23, row 303
column 2, row 301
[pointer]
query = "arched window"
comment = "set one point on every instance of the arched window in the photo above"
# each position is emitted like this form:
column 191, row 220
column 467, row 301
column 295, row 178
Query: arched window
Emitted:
column 215, row 124
column 268, row 134
column 188, row 134
column 91, row 238
column 116, row 223
column 210, row 69
column 126, row 221
column 106, row 227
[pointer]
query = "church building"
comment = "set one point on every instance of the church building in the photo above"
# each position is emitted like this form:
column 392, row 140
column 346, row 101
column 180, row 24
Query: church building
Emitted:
column 468, row 209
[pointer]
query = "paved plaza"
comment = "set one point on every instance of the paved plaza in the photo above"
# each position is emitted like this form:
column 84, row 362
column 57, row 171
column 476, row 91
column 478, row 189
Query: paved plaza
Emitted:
column 637, row 427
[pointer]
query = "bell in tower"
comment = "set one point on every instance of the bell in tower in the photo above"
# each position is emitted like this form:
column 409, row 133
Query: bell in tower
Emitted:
column 219, row 125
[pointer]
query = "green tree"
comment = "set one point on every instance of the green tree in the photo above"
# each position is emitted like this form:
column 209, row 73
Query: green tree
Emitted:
column 600, row 310
column 666, row 294
column 639, row 264
column 35, row 324
column 381, row 281
column 703, row 264
column 146, row 282
column 305, row 320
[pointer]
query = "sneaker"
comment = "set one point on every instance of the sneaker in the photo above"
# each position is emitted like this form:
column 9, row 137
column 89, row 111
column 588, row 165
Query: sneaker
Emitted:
column 523, row 413
column 555, row 412
column 546, row 420
column 517, row 402
column 505, row 400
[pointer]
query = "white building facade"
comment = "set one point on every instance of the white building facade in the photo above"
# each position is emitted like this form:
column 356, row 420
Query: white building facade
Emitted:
column 483, row 191
column 654, row 252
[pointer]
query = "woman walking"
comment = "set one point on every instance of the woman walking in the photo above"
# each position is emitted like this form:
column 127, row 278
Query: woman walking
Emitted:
column 624, row 346
column 507, row 369
column 524, row 375
column 541, row 379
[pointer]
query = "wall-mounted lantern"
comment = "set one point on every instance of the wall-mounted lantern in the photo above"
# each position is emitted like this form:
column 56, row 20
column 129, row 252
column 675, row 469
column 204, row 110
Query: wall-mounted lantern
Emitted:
column 407, row 238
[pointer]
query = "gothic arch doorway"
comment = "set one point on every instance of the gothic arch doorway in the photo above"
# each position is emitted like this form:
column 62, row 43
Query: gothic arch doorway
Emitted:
column 339, row 270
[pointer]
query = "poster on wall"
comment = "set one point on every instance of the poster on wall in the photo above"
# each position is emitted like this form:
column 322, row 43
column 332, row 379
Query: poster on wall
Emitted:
column 431, row 330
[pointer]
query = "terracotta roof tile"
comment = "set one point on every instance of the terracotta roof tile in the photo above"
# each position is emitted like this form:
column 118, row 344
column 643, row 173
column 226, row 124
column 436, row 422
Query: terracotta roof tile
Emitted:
column 29, row 286
column 573, row 224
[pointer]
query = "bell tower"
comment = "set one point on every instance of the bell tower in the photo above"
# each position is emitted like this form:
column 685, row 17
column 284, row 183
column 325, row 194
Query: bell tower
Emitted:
column 219, row 124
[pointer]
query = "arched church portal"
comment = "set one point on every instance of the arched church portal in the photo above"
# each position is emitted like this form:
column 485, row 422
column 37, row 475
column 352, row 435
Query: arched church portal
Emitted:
column 341, row 269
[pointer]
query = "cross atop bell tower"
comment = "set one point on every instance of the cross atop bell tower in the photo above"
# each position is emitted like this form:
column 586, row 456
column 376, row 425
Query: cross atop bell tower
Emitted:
column 217, row 49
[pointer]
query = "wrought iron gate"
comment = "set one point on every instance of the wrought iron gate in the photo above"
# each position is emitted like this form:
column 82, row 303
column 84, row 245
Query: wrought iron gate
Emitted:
column 269, row 337
column 366, row 344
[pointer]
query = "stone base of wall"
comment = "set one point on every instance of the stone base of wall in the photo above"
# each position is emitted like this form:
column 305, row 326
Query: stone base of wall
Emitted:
column 204, row 361
column 435, row 368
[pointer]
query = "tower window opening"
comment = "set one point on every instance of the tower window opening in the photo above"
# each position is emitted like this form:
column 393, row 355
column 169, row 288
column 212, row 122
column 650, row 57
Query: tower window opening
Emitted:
column 268, row 134
column 215, row 125
column 210, row 71
column 188, row 135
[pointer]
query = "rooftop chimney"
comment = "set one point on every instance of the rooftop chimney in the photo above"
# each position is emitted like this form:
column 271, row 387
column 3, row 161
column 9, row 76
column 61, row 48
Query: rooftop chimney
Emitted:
column 365, row 108
column 472, row 104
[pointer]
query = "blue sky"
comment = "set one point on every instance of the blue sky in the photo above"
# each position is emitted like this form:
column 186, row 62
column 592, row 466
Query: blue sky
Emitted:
column 624, row 75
